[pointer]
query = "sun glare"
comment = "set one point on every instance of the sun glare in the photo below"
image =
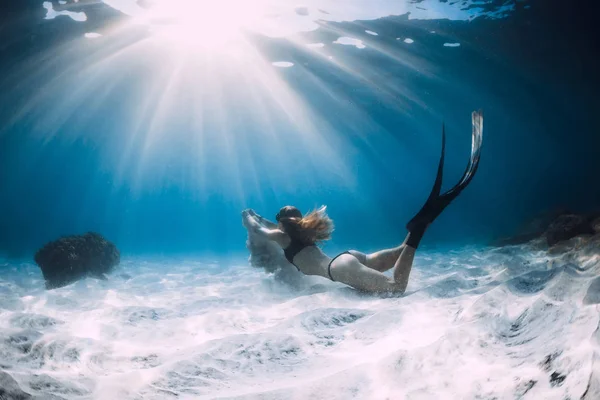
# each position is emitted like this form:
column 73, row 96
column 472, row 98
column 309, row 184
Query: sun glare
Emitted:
column 198, row 93
column 202, row 24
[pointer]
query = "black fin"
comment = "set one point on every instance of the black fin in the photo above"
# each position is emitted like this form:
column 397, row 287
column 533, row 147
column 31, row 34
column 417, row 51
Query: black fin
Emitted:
column 435, row 191
column 436, row 203
column 437, row 186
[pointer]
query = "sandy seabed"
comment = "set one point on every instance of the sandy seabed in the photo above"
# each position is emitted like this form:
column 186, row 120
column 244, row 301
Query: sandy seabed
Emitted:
column 500, row 323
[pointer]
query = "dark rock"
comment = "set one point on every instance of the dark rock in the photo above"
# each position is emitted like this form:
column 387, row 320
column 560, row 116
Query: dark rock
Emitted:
column 568, row 226
column 596, row 225
column 553, row 227
column 10, row 390
column 577, row 243
column 533, row 229
column 71, row 258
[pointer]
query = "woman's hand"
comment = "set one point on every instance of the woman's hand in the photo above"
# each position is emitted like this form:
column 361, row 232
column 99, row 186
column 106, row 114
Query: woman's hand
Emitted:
column 246, row 219
column 256, row 216
column 247, row 215
column 246, row 223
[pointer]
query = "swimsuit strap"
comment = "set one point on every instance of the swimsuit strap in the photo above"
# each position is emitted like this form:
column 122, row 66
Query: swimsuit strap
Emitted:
column 332, row 260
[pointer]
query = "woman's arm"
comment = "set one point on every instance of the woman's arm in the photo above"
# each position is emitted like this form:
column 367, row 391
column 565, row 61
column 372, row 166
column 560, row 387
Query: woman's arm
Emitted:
column 263, row 221
column 251, row 223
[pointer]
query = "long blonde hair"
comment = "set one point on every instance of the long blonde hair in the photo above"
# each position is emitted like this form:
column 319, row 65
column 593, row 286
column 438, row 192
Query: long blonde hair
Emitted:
column 315, row 226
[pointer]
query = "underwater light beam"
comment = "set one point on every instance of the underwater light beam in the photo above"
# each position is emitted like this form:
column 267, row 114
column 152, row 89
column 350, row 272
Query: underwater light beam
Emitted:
column 215, row 78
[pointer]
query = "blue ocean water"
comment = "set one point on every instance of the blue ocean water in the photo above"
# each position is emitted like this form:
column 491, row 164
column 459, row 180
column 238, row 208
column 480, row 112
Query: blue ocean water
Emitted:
column 156, row 122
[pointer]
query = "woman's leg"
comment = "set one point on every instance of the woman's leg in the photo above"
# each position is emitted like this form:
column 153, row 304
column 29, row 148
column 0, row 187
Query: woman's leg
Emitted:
column 349, row 270
column 403, row 266
column 368, row 269
column 399, row 258
column 382, row 260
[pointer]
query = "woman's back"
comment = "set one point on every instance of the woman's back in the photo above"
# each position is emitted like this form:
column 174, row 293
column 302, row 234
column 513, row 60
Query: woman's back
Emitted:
column 312, row 261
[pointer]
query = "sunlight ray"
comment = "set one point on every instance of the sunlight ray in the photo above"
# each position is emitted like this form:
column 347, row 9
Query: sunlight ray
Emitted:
column 202, row 99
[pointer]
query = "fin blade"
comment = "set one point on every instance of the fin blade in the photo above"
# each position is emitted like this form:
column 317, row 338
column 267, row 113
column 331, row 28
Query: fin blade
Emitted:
column 473, row 164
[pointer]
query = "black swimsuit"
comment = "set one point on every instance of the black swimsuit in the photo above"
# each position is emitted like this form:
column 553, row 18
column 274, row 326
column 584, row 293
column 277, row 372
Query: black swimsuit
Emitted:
column 296, row 246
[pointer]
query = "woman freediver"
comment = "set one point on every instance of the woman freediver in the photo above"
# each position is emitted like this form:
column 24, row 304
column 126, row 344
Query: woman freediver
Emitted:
column 299, row 235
